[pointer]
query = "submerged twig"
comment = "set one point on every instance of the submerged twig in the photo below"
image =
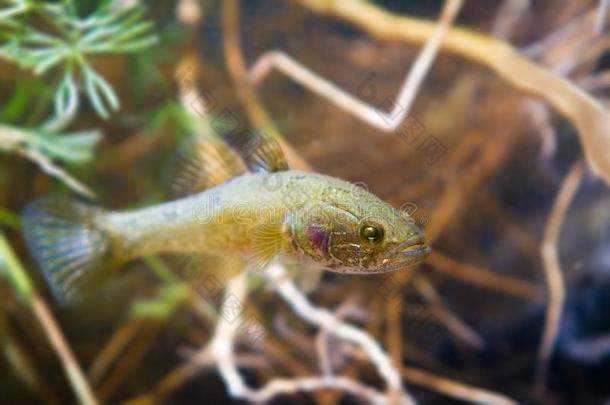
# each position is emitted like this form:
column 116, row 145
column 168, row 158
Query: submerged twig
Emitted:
column 446, row 386
column 552, row 270
column 221, row 346
column 47, row 166
column 589, row 116
column 380, row 119
column 602, row 16
column 326, row 320
column 113, row 349
column 238, row 70
column 508, row 16
column 595, row 82
column 484, row 278
column 540, row 119
column 281, row 386
column 24, row 287
column 220, row 350
column 454, row 389
column 586, row 54
column 455, row 325
column 75, row 147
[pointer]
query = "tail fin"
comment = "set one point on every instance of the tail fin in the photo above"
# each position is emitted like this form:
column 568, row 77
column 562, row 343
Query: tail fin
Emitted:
column 72, row 251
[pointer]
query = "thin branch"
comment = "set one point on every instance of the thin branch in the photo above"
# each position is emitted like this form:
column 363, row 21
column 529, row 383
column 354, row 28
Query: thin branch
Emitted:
column 586, row 54
column 552, row 270
column 372, row 115
column 560, row 36
column 221, row 348
column 19, row 277
column 588, row 115
column 62, row 349
column 13, row 140
column 221, row 345
column 111, row 352
column 540, row 117
column 484, row 277
column 446, row 386
column 595, row 82
column 508, row 16
column 280, row 386
column 454, row 389
column 602, row 16
column 47, row 166
column 324, row 319
column 455, row 325
column 238, row 70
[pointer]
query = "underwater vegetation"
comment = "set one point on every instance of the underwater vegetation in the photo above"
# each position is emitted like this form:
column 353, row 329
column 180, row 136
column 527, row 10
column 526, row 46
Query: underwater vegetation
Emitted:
column 304, row 201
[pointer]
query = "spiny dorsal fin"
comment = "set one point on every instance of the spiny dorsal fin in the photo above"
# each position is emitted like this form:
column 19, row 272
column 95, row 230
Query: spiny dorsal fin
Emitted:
column 204, row 162
column 261, row 152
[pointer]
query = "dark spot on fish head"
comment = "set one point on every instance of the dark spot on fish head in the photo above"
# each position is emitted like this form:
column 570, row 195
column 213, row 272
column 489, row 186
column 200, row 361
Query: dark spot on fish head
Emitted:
column 319, row 238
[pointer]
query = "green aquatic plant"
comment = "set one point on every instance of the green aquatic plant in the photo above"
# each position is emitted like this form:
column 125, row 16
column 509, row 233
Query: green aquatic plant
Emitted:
column 12, row 270
column 53, row 41
column 42, row 146
column 44, row 37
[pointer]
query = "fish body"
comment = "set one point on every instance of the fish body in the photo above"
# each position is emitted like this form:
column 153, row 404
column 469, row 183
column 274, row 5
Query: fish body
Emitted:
column 219, row 220
column 309, row 217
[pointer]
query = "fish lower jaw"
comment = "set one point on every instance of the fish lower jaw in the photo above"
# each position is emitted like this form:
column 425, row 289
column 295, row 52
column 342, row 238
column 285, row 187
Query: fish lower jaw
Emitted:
column 420, row 250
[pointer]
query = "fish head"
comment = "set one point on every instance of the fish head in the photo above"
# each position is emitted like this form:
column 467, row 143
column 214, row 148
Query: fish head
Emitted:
column 350, row 230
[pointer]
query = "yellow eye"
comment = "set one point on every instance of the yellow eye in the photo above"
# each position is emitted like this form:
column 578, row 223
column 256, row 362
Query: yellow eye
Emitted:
column 371, row 233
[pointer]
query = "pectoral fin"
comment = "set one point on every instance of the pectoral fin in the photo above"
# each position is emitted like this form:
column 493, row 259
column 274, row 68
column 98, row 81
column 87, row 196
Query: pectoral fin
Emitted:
column 267, row 243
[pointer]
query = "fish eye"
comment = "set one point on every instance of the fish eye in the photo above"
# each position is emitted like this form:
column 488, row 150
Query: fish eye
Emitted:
column 371, row 233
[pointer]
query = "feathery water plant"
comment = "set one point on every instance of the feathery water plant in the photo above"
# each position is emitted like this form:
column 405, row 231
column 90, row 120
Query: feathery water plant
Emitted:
column 43, row 147
column 67, row 42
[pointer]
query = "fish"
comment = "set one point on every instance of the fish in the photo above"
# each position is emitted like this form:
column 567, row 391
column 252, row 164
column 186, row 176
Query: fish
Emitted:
column 249, row 205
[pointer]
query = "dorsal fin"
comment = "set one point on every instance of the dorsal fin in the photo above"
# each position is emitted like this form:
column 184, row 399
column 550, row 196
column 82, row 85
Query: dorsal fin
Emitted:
column 204, row 162
column 261, row 152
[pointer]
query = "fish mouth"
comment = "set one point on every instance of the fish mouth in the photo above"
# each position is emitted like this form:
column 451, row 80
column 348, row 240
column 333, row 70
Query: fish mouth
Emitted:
column 419, row 250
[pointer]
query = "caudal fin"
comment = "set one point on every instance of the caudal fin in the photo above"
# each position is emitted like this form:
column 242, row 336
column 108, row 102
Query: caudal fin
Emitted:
column 72, row 251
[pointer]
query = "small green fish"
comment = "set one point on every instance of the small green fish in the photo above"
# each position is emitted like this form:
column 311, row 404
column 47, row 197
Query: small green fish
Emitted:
column 254, row 208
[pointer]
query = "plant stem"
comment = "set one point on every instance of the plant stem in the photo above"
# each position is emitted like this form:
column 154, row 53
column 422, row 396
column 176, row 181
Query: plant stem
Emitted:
column 17, row 275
